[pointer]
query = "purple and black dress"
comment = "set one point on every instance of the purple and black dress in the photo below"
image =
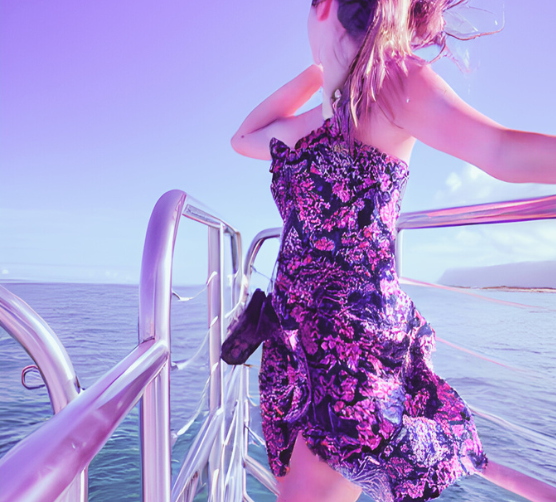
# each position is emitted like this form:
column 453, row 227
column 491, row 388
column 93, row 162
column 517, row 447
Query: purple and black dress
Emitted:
column 351, row 367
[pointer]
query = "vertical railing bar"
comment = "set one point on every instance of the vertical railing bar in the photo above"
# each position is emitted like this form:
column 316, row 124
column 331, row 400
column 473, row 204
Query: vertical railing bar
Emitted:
column 252, row 252
column 239, row 439
column 216, row 392
column 229, row 382
column 231, row 432
column 246, row 419
column 398, row 253
column 154, row 322
column 199, row 453
column 238, row 442
column 216, row 315
column 222, row 435
column 231, row 478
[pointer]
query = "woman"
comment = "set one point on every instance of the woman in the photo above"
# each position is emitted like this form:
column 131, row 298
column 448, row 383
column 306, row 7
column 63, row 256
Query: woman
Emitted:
column 349, row 400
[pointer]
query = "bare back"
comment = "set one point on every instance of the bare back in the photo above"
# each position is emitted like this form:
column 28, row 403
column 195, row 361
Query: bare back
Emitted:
column 373, row 129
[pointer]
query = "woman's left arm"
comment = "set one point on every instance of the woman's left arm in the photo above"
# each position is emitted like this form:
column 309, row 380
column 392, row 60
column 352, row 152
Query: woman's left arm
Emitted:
column 525, row 157
column 433, row 113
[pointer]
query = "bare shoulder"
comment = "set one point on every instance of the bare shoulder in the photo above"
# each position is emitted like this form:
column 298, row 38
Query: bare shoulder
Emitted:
column 287, row 129
column 424, row 91
column 434, row 114
column 415, row 103
column 419, row 70
column 386, row 124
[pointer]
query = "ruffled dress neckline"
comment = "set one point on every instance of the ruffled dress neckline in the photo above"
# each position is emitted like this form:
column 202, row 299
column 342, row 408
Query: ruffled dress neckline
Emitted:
column 331, row 129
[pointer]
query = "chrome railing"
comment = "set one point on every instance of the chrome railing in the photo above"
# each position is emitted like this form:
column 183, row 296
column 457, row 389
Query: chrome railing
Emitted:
column 50, row 356
column 255, row 468
column 540, row 208
column 45, row 463
column 51, row 463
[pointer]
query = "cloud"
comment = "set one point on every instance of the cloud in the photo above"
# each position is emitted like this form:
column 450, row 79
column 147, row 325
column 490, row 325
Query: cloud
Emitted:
column 428, row 253
column 501, row 243
column 471, row 185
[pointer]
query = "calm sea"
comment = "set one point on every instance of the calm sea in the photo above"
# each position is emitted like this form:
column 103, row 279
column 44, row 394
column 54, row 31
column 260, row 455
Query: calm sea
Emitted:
column 98, row 326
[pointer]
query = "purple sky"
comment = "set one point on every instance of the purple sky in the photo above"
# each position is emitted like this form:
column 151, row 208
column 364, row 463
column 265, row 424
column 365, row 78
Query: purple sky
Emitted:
column 106, row 105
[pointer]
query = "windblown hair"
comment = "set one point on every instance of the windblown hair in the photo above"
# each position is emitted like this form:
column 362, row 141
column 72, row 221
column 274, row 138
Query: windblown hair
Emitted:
column 388, row 32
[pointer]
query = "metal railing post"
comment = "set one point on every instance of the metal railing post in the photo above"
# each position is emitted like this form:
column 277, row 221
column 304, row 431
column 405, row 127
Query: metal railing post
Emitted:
column 216, row 391
column 398, row 257
column 237, row 265
column 154, row 323
column 244, row 402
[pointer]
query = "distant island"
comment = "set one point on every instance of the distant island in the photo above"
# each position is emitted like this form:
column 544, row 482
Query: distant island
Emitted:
column 523, row 275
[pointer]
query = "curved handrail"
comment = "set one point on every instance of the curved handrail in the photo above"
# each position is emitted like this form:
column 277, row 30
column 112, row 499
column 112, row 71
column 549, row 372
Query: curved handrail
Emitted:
column 23, row 324
column 254, row 248
column 155, row 292
column 41, row 467
column 197, row 211
column 80, row 429
column 154, row 317
column 538, row 208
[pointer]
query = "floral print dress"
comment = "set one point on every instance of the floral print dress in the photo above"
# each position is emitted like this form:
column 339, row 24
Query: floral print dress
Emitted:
column 351, row 367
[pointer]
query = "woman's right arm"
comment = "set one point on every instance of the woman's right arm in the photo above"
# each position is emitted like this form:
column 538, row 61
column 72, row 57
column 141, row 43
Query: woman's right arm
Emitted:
column 274, row 117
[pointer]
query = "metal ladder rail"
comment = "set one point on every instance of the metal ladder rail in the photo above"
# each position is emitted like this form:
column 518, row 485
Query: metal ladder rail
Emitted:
column 225, row 480
column 234, row 488
column 508, row 211
column 83, row 427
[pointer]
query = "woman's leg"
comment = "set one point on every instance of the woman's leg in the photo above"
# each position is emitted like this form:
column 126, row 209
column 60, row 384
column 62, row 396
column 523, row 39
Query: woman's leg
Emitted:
column 310, row 479
column 516, row 482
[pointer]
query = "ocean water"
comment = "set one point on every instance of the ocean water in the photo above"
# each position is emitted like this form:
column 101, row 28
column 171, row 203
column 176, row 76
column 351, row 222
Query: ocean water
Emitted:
column 98, row 326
